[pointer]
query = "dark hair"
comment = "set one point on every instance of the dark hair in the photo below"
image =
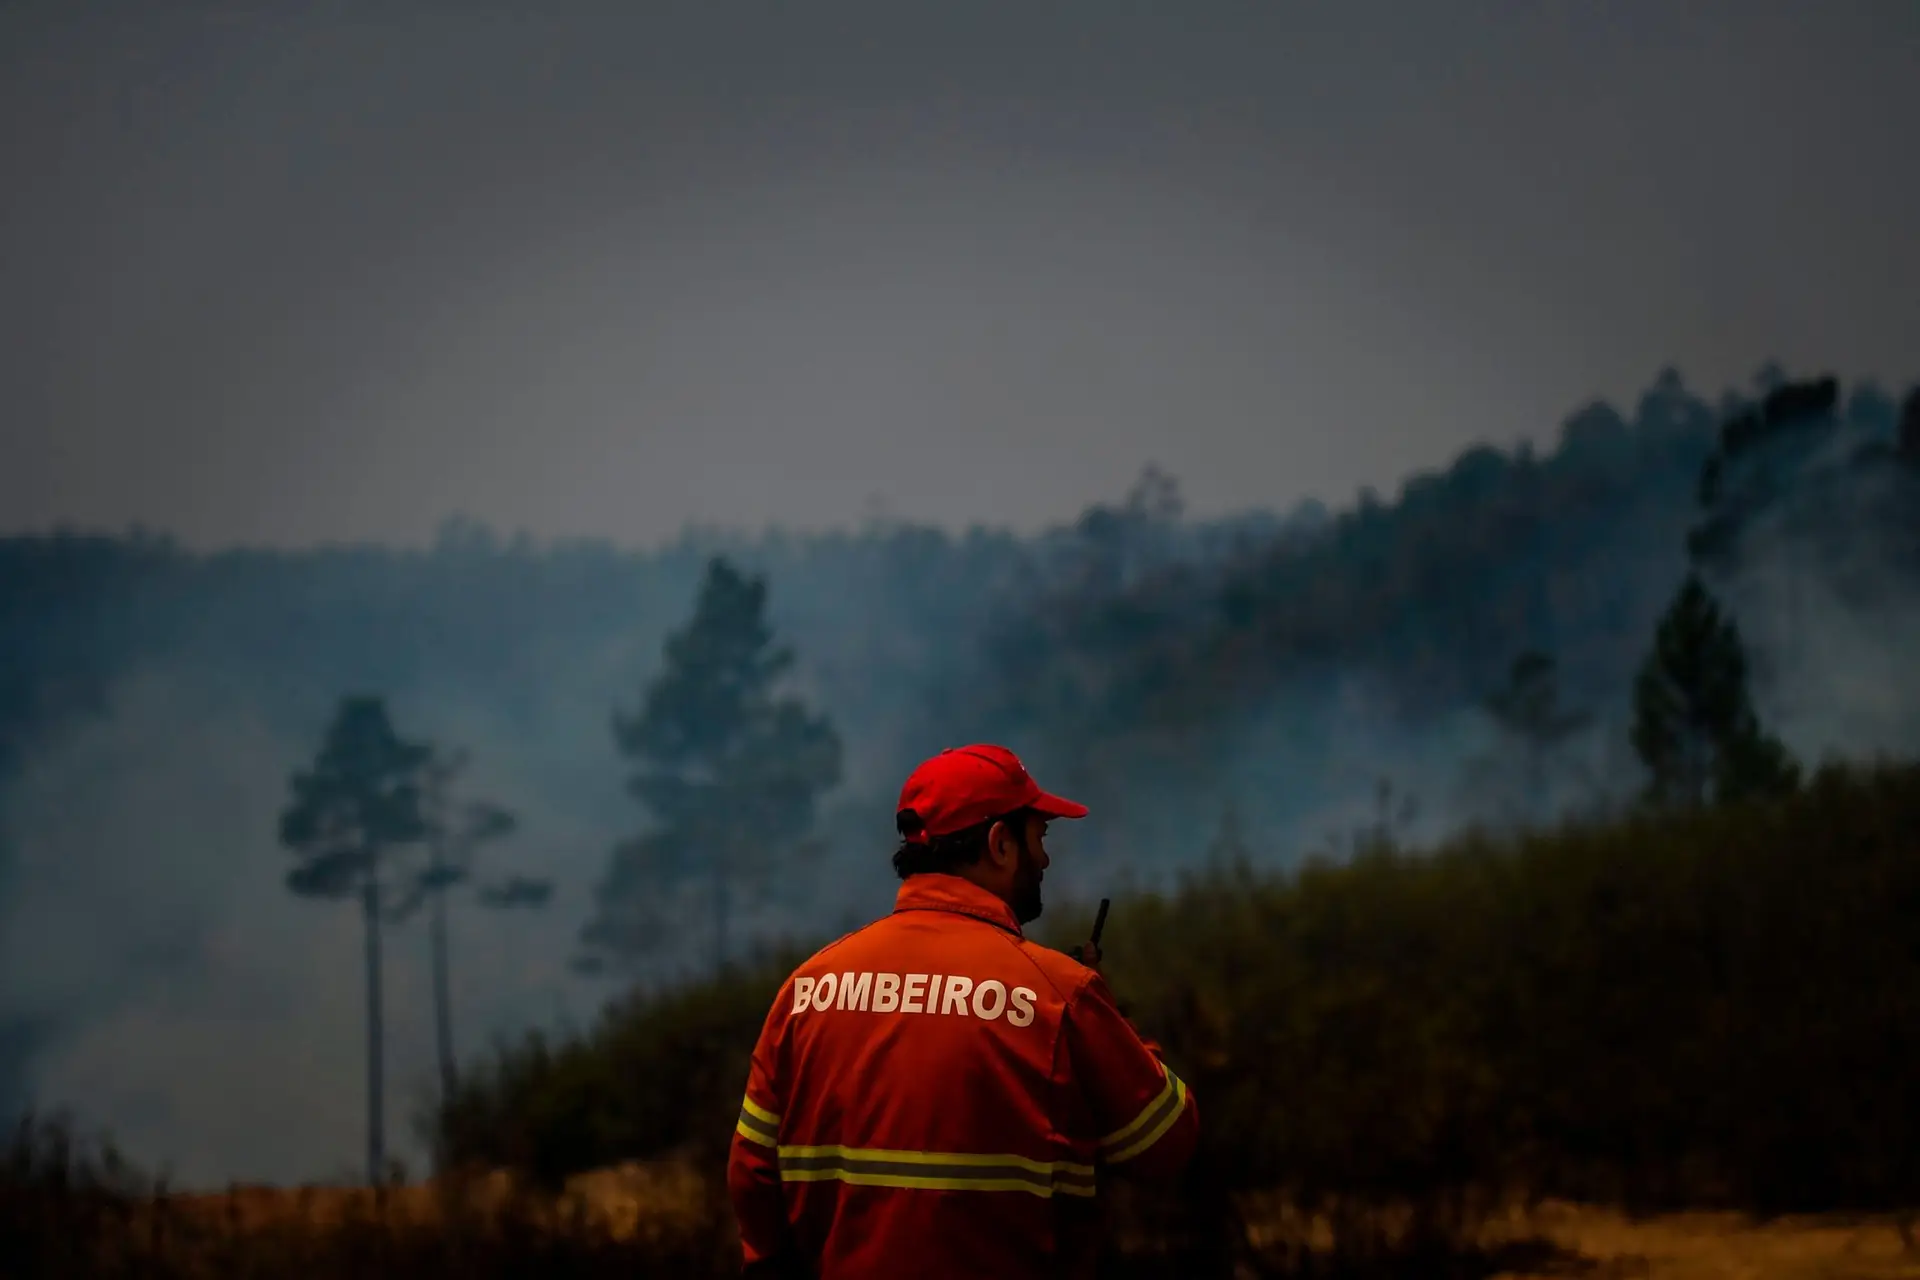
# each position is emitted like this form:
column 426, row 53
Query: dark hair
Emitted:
column 944, row 855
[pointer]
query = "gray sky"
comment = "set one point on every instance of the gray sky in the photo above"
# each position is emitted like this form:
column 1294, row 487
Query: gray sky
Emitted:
column 284, row 274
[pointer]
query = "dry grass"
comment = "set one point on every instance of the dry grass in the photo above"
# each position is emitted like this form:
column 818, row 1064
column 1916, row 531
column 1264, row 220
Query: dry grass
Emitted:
column 664, row 1218
column 643, row 1200
column 636, row 1200
column 1701, row 1246
column 655, row 1220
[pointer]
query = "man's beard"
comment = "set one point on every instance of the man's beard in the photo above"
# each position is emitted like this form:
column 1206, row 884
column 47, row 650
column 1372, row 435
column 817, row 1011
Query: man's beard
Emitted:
column 1026, row 902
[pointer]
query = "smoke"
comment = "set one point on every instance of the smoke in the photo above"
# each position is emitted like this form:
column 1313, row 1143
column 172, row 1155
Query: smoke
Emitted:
column 1321, row 762
column 156, row 976
column 199, row 1010
column 174, row 993
column 1828, row 601
column 1827, row 597
column 207, row 1018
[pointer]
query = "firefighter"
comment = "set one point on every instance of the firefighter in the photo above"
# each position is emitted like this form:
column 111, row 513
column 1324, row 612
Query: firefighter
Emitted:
column 936, row 1095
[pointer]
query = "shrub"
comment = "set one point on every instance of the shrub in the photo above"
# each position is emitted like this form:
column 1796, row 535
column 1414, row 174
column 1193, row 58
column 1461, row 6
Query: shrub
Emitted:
column 1717, row 1008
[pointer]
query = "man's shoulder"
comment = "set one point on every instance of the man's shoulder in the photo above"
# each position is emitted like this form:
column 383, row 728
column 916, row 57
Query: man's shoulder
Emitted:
column 879, row 943
column 1066, row 975
column 836, row 951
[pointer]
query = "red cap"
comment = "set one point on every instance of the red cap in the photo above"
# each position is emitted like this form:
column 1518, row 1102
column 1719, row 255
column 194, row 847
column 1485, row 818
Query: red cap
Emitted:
column 963, row 786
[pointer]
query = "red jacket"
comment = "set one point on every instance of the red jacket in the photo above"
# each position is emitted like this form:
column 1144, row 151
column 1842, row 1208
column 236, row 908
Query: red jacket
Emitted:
column 937, row 1096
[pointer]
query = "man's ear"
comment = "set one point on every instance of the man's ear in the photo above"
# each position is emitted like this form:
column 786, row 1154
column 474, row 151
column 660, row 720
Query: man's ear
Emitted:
column 1003, row 843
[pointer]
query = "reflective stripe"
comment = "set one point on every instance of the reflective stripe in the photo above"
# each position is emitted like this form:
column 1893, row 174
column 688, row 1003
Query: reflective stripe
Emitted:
column 757, row 1124
column 934, row 1170
column 1150, row 1125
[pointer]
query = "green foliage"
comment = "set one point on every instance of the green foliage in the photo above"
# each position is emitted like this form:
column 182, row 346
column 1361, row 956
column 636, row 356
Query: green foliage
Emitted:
column 348, row 820
column 356, row 807
column 1425, row 599
column 1144, row 691
column 730, row 771
column 1694, row 725
column 1500, row 545
column 1112, row 644
column 455, row 829
column 1711, row 1007
column 658, row 1074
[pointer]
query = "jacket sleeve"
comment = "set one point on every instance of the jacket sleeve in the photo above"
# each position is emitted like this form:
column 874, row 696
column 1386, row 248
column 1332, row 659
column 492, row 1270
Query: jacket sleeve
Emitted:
column 1146, row 1119
column 753, row 1166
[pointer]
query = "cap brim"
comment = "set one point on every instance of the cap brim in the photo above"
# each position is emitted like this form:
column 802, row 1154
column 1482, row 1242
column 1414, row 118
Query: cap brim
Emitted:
column 1054, row 806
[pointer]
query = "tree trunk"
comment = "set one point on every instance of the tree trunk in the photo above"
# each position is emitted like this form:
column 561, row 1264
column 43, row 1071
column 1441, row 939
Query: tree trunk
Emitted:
column 376, row 1126
column 442, row 999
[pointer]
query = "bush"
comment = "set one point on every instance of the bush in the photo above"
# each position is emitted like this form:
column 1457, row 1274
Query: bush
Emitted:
column 1709, row 1009
column 660, row 1074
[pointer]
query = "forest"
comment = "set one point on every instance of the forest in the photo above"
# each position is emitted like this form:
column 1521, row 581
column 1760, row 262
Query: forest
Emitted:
column 1541, row 831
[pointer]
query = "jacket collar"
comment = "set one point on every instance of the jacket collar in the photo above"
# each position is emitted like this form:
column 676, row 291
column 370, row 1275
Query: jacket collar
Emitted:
column 934, row 892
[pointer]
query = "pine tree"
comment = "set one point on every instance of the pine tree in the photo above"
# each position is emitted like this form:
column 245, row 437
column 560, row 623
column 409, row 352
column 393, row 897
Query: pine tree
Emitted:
column 730, row 772
column 456, row 830
column 1694, row 726
column 349, row 819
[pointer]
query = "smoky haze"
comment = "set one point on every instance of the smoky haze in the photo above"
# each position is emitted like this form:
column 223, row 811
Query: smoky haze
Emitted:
column 334, row 274
column 182, row 999
column 279, row 279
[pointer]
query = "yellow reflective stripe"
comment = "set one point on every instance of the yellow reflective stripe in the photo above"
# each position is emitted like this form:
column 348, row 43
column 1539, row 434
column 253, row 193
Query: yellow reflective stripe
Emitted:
column 934, row 1170
column 937, row 1157
column 753, row 1135
column 1157, row 1122
column 757, row 1124
column 1154, row 1119
column 916, row 1183
column 1125, row 1132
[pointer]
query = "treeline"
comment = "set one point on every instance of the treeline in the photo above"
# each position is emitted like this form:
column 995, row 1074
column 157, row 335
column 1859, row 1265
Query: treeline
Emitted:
column 1695, row 1007
column 731, row 767
column 1572, row 553
column 1133, row 620
column 1134, row 649
column 1685, row 1008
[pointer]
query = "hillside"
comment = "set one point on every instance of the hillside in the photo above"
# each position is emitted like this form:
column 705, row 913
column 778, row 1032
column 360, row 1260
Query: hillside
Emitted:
column 1166, row 670
column 1294, row 673
column 1674, row 1012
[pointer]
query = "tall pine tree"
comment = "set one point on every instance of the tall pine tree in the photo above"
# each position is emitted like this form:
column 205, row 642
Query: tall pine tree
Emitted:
column 729, row 770
column 1694, row 726
column 456, row 829
column 349, row 818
